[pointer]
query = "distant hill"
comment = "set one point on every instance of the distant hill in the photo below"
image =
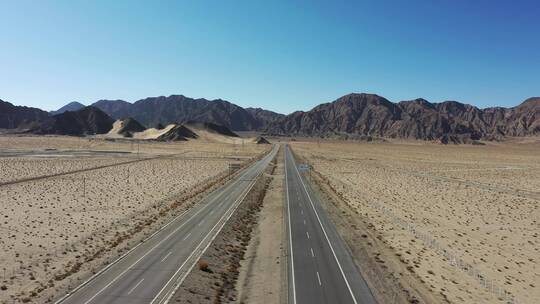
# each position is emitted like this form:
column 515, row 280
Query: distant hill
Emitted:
column 181, row 109
column 265, row 117
column 19, row 117
column 72, row 106
column 86, row 121
column 373, row 115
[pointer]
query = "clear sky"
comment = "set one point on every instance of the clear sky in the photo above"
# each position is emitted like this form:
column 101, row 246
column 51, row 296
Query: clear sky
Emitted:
column 279, row 55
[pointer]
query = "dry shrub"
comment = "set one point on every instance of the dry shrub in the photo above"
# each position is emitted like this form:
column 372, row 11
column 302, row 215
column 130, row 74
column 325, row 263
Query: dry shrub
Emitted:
column 203, row 265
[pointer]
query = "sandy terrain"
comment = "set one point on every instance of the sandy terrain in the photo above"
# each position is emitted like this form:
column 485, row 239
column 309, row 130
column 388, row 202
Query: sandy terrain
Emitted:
column 263, row 272
column 463, row 220
column 53, row 225
column 214, row 278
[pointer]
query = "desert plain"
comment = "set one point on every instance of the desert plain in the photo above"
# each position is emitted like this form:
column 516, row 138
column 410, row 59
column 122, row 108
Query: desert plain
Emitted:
column 71, row 205
column 463, row 220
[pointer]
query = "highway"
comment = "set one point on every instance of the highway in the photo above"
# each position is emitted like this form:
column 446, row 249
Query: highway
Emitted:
column 320, row 267
column 153, row 270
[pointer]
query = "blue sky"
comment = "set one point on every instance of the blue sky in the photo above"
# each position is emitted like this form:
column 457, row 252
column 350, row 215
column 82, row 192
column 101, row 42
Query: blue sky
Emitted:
column 279, row 55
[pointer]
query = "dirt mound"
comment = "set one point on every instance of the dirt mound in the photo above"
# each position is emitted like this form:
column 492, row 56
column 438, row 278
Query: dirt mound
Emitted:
column 126, row 127
column 177, row 133
column 261, row 141
column 212, row 128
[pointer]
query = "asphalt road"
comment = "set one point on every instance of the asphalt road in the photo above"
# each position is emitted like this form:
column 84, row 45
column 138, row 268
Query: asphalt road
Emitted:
column 152, row 271
column 320, row 266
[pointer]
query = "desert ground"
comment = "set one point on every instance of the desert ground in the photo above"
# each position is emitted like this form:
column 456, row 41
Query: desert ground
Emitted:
column 463, row 220
column 67, row 201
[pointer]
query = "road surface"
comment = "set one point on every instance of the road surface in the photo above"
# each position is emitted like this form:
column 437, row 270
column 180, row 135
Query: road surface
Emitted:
column 152, row 271
column 320, row 267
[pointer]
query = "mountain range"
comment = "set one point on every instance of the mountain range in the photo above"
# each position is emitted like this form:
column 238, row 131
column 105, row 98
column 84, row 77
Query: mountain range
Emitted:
column 180, row 109
column 351, row 116
column 371, row 115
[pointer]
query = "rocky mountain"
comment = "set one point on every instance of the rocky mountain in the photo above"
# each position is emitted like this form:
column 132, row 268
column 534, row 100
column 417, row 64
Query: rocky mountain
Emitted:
column 374, row 116
column 266, row 117
column 18, row 117
column 86, row 121
column 72, row 106
column 180, row 109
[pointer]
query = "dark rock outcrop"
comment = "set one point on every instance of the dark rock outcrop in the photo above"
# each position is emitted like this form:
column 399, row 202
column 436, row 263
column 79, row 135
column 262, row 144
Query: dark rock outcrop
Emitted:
column 18, row 117
column 87, row 121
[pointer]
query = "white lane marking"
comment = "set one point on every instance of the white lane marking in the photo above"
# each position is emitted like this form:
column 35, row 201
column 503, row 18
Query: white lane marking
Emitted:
column 163, row 240
column 290, row 233
column 212, row 211
column 233, row 208
column 136, row 285
column 102, row 271
column 302, row 211
column 201, row 222
column 165, row 257
column 312, row 254
column 304, row 222
column 319, row 278
column 187, row 235
column 307, row 233
column 326, row 236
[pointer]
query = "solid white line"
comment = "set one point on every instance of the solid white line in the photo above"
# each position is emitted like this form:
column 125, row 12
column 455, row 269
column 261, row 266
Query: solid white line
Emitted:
column 132, row 289
column 307, row 233
column 163, row 240
column 326, row 236
column 233, row 208
column 187, row 235
column 319, row 278
column 168, row 254
column 290, row 233
column 312, row 254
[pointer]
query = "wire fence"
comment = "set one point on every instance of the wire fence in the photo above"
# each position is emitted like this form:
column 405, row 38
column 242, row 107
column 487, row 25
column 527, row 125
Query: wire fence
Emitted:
column 452, row 259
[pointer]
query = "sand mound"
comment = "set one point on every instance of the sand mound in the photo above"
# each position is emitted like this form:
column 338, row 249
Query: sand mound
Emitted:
column 212, row 128
column 261, row 140
column 153, row 133
column 178, row 132
column 126, row 127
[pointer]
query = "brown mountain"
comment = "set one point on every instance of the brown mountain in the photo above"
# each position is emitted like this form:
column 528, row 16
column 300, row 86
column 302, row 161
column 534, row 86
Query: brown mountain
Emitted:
column 17, row 117
column 181, row 109
column 356, row 115
column 86, row 121
column 265, row 117
column 72, row 106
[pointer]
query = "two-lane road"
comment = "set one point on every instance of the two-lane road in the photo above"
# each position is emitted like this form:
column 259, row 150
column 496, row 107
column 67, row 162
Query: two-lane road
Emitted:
column 321, row 269
column 152, row 271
